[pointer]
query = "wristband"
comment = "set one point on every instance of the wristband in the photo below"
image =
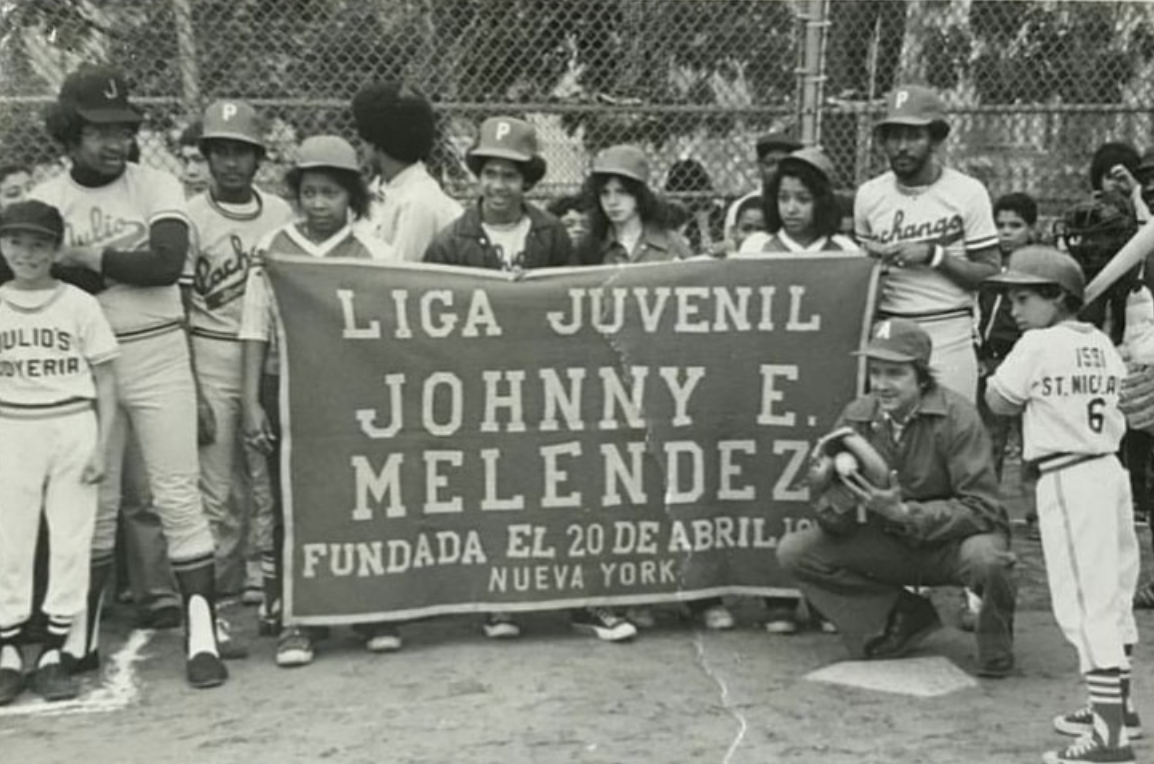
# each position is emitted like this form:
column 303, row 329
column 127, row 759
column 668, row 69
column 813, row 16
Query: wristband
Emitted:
column 938, row 257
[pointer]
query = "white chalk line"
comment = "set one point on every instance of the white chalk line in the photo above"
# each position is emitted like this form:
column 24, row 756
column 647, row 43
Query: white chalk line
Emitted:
column 743, row 725
column 118, row 690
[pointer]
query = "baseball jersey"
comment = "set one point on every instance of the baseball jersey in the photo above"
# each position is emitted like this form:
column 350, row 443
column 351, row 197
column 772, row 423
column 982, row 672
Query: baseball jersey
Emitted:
column 258, row 314
column 409, row 210
column 953, row 211
column 49, row 339
column 218, row 264
column 118, row 216
column 1068, row 378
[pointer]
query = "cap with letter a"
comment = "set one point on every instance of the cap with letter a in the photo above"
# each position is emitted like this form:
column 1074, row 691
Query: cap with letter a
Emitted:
column 899, row 340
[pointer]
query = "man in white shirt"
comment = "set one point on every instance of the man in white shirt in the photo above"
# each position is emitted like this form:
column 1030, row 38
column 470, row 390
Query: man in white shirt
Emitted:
column 398, row 127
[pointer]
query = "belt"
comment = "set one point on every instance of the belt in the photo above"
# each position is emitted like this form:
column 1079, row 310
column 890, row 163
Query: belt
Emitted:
column 1055, row 462
column 933, row 315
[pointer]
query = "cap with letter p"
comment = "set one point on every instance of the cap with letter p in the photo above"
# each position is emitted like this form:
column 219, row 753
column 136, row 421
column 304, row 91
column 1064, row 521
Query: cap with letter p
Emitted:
column 233, row 121
column 899, row 340
column 1038, row 265
column 507, row 138
column 916, row 106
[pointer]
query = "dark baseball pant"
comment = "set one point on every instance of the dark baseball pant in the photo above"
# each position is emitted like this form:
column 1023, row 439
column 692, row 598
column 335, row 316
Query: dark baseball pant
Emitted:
column 854, row 580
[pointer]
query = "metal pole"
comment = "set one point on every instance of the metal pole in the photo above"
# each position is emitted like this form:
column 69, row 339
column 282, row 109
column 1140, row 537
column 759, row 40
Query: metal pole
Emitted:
column 186, row 55
column 811, row 72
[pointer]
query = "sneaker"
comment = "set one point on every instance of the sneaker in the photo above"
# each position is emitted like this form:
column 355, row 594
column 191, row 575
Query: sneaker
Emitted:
column 229, row 649
column 294, row 647
column 1090, row 749
column 74, row 665
column 717, row 618
column 781, row 620
column 205, row 670
column 641, row 617
column 11, row 683
column 53, row 683
column 163, row 617
column 383, row 639
column 1081, row 722
column 604, row 624
column 912, row 620
column 501, row 626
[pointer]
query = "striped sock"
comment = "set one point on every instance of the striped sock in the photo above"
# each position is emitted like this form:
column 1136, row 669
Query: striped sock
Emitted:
column 1105, row 687
column 271, row 576
column 58, row 628
column 10, row 657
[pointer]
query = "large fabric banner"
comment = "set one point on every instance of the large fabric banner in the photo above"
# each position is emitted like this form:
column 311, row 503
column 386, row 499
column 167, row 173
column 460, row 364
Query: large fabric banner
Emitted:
column 466, row 441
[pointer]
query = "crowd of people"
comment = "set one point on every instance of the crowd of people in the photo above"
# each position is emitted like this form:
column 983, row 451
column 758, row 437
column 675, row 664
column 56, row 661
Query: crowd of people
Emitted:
column 139, row 374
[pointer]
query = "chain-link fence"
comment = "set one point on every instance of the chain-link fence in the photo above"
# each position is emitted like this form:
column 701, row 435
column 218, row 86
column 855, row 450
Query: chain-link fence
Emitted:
column 1033, row 85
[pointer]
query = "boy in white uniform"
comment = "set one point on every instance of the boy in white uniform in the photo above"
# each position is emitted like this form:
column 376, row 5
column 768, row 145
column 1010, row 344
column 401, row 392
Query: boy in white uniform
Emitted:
column 56, row 400
column 1064, row 377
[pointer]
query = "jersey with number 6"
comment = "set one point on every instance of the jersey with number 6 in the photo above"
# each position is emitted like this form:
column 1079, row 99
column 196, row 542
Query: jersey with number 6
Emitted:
column 1068, row 378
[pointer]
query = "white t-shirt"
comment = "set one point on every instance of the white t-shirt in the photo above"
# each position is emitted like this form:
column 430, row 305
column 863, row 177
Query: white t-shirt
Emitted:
column 118, row 216
column 1068, row 378
column 49, row 339
column 409, row 210
column 509, row 241
column 953, row 211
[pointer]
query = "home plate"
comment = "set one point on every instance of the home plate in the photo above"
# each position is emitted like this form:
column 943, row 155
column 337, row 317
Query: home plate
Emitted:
column 117, row 689
column 922, row 677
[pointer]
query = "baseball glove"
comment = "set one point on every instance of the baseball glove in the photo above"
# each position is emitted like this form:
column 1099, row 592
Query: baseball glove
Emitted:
column 835, row 506
column 1136, row 399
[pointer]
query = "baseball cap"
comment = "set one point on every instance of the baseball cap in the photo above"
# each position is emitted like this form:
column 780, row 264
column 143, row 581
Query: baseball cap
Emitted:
column 917, row 106
column 327, row 151
column 507, row 138
column 776, row 140
column 811, row 157
column 1037, row 265
column 33, row 215
column 234, row 121
column 900, row 340
column 624, row 160
column 99, row 94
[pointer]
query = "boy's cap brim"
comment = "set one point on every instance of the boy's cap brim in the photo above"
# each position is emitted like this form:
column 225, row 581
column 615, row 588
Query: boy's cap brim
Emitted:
column 30, row 227
column 881, row 354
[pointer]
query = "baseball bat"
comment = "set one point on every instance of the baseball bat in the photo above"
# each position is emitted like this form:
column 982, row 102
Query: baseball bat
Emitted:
column 1132, row 253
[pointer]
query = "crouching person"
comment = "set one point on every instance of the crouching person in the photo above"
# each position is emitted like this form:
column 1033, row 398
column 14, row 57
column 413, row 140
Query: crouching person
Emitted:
column 938, row 522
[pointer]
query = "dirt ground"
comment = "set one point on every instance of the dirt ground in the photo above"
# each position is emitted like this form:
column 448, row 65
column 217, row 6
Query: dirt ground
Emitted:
column 675, row 695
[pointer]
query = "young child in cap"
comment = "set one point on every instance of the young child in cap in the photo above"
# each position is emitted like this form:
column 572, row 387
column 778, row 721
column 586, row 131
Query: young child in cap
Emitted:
column 1064, row 377
column 56, row 401
column 327, row 185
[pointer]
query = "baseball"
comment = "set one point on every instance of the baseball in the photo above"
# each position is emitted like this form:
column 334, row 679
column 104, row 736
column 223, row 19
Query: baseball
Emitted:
column 845, row 463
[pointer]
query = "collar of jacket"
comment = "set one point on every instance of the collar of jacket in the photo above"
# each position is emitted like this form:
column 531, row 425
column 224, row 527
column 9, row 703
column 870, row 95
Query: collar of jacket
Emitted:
column 470, row 226
column 867, row 408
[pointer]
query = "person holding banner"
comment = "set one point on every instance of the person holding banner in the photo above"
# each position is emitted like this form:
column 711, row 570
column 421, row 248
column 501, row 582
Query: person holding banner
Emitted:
column 628, row 223
column 327, row 186
column 502, row 231
column 938, row 521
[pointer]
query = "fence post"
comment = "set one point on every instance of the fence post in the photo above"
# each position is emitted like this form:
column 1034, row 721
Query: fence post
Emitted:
column 186, row 55
column 811, row 71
